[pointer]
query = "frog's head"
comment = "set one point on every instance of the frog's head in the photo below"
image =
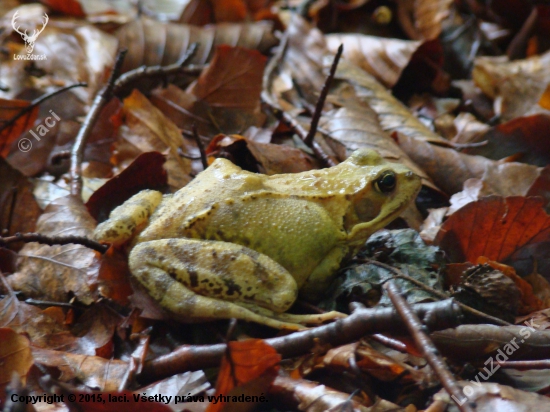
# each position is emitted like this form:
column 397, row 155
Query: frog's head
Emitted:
column 384, row 191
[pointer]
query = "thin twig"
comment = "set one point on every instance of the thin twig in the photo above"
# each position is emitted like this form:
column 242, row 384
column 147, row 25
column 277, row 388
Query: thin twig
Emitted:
column 440, row 295
column 101, row 99
column 37, row 102
column 198, row 140
column 361, row 322
column 54, row 240
column 525, row 365
column 280, row 114
column 155, row 71
column 424, row 343
column 322, row 98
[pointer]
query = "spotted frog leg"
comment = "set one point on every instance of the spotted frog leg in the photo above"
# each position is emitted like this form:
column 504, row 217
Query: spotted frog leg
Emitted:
column 202, row 279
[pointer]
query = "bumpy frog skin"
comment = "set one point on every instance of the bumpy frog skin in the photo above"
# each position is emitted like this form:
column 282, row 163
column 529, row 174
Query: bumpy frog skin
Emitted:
column 235, row 244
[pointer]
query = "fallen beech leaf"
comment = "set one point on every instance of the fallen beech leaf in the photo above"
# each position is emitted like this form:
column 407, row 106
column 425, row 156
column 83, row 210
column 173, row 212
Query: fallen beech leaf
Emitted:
column 183, row 384
column 55, row 272
column 92, row 371
column 498, row 228
column 384, row 58
column 8, row 110
column 149, row 130
column 506, row 80
column 251, row 361
column 232, row 80
column 449, row 169
column 152, row 43
column 114, row 276
column 525, row 136
column 145, row 172
column 15, row 357
column 428, row 16
column 263, row 158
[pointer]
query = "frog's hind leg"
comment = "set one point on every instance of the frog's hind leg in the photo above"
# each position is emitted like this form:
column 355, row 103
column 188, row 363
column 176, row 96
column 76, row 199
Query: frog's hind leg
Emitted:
column 197, row 279
column 128, row 218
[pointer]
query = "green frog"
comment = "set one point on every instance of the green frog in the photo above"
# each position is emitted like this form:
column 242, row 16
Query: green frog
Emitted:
column 236, row 244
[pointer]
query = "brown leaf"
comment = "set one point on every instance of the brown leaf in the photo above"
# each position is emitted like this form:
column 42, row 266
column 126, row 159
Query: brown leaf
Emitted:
column 384, row 58
column 505, row 80
column 524, row 136
column 421, row 19
column 92, row 371
column 145, row 172
column 263, row 158
column 8, row 110
column 149, row 130
column 449, row 169
column 250, row 360
column 15, row 357
column 152, row 43
column 232, row 80
column 18, row 208
column 114, row 276
column 56, row 272
column 497, row 228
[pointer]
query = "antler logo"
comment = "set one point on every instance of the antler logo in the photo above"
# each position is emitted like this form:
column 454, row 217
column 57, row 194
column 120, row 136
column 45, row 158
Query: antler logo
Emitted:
column 28, row 39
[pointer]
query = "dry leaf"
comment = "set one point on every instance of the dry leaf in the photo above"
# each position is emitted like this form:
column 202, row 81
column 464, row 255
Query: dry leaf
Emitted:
column 501, row 229
column 8, row 110
column 92, row 371
column 251, row 361
column 504, row 81
column 154, row 43
column 384, row 58
column 57, row 272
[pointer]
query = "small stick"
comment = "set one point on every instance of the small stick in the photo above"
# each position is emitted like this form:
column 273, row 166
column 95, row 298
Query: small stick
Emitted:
column 153, row 71
column 425, row 344
column 361, row 322
column 198, row 140
column 440, row 295
column 101, row 99
column 323, row 96
column 54, row 240
column 525, row 365
column 37, row 102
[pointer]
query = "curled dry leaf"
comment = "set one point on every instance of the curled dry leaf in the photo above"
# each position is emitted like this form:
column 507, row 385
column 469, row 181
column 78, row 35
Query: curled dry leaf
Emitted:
column 57, row 272
column 513, row 230
column 153, row 43
column 384, row 58
column 505, row 80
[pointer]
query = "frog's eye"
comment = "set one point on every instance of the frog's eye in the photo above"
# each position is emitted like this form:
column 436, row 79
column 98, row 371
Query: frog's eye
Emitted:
column 386, row 182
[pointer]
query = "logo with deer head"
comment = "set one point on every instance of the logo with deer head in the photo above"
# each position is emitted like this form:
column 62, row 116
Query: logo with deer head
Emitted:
column 29, row 39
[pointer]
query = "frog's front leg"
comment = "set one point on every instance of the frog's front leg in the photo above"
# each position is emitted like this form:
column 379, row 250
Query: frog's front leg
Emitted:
column 126, row 219
column 199, row 279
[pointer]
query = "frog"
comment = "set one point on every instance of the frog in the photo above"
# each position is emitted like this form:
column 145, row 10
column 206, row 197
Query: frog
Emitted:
column 244, row 245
